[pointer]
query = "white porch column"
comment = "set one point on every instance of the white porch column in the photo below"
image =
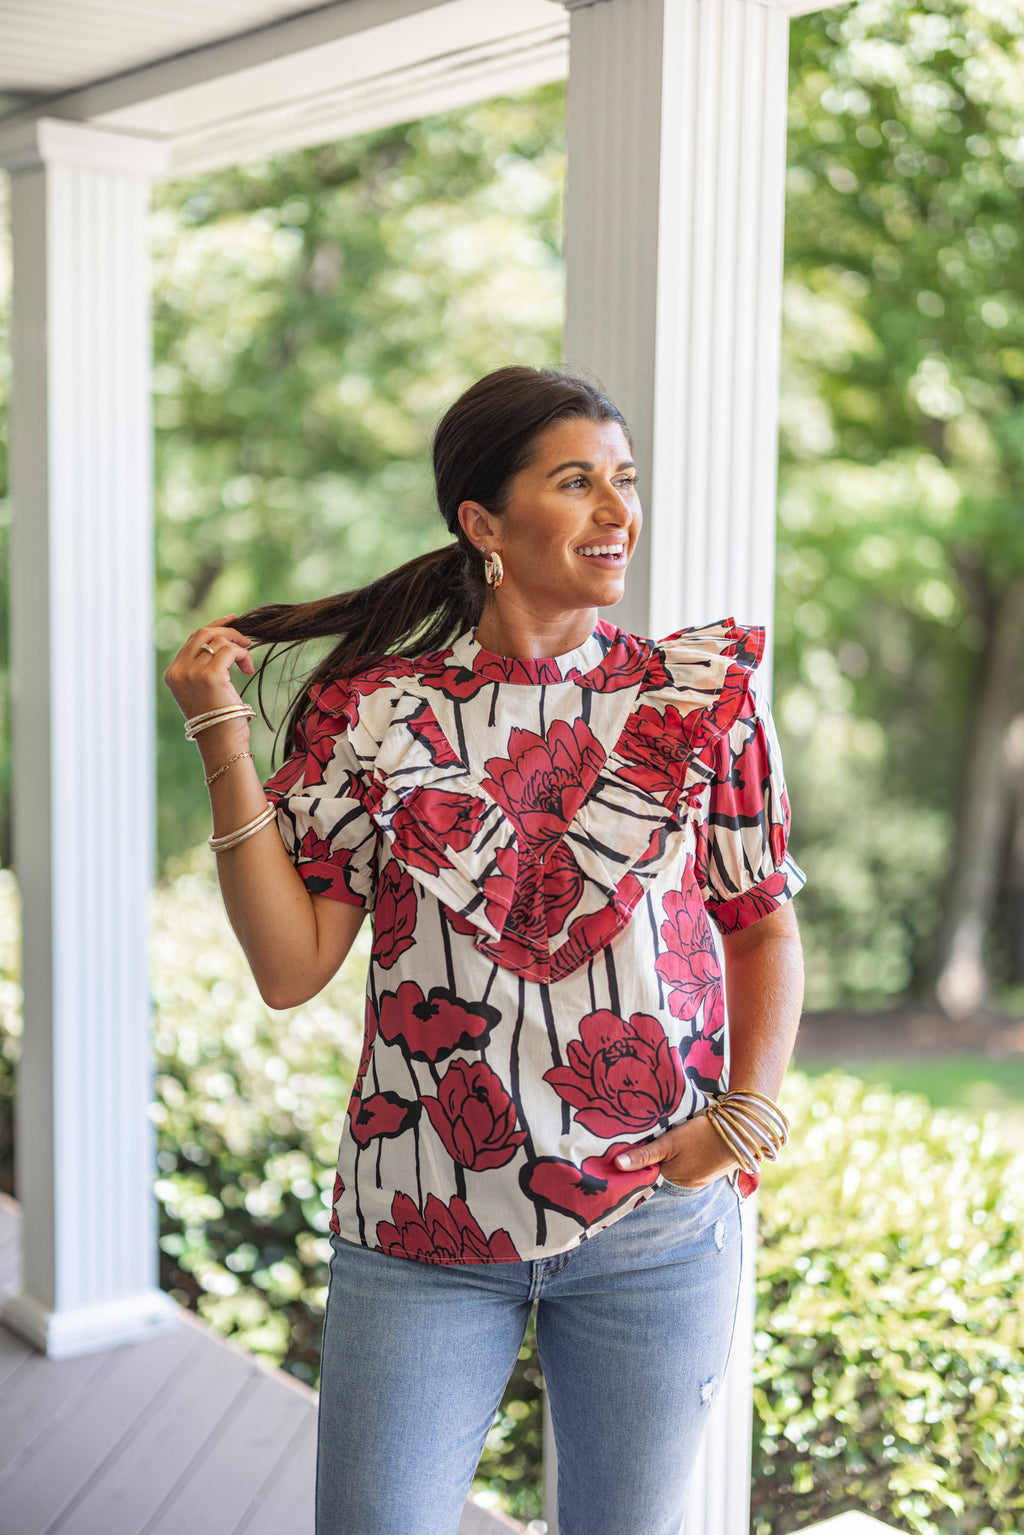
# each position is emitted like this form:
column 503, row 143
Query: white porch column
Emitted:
column 676, row 180
column 82, row 661
column 676, row 150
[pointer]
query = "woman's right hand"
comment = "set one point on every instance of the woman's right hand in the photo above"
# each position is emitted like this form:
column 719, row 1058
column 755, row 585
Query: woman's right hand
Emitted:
column 199, row 677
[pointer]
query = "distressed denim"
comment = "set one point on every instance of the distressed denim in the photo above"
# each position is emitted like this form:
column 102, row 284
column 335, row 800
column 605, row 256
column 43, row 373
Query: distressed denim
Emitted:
column 634, row 1328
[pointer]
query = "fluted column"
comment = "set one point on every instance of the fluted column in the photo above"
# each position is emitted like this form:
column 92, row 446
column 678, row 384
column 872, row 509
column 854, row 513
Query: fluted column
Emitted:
column 676, row 182
column 82, row 664
column 676, row 149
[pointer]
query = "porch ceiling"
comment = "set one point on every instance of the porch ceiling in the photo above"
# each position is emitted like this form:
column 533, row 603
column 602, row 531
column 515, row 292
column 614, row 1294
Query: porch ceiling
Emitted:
column 222, row 81
column 226, row 80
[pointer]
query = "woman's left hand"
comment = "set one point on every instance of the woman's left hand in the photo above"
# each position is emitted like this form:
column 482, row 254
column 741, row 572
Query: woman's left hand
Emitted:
column 691, row 1155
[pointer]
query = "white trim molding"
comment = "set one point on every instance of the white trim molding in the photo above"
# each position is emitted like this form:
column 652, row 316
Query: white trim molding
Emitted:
column 82, row 674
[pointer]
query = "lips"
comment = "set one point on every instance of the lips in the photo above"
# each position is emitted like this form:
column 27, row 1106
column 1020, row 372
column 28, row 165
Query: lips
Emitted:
column 606, row 556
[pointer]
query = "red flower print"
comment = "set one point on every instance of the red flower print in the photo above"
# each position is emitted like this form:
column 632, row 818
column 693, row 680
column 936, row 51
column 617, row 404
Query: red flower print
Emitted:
column 689, row 966
column 313, row 849
column 754, row 904
column 369, row 1035
column 381, row 1114
column 319, row 733
column 424, row 726
column 430, row 1028
column 498, row 888
column 527, row 921
column 342, row 696
column 475, row 1117
column 441, row 1234
column 287, row 776
column 591, row 933
column 656, row 748
column 734, row 701
column 562, row 887
column 437, row 671
column 589, row 1192
column 339, row 1188
column 534, row 673
column 542, row 783
column 622, row 1075
column 622, row 666
column 704, row 1062
column 429, row 822
column 394, row 917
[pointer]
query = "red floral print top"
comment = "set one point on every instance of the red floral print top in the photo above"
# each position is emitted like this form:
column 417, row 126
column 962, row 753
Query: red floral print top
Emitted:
column 544, row 845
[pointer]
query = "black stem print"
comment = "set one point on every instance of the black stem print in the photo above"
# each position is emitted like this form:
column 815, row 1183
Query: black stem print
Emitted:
column 419, row 1184
column 654, row 932
column 460, row 730
column 460, row 1181
column 446, row 941
column 528, row 1147
column 355, row 1189
column 556, row 1052
column 613, row 985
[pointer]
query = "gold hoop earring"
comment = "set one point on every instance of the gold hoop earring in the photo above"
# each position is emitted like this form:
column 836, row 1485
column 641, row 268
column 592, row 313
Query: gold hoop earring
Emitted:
column 494, row 571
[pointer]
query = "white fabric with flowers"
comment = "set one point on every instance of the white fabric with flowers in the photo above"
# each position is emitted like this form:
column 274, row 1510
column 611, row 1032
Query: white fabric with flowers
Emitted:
column 544, row 845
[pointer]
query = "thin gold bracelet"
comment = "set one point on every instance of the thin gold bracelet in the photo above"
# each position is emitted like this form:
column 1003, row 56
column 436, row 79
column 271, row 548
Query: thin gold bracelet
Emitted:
column 209, row 779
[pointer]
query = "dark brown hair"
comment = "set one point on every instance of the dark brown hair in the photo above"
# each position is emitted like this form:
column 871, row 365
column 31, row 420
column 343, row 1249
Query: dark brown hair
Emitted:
column 481, row 444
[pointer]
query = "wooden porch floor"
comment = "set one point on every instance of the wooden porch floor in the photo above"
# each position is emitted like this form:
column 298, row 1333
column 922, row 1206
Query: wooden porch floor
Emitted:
column 182, row 1434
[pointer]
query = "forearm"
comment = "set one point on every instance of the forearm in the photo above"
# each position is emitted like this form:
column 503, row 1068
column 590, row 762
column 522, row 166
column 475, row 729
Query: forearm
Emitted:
column 764, row 978
column 267, row 904
column 294, row 942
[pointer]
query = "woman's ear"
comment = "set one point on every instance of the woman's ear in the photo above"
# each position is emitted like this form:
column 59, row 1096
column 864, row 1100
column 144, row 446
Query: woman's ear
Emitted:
column 478, row 524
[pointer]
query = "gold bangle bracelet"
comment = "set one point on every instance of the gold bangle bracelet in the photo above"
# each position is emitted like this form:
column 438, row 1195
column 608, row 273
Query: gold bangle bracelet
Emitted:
column 749, row 1133
column 233, row 838
column 765, row 1105
column 739, row 1152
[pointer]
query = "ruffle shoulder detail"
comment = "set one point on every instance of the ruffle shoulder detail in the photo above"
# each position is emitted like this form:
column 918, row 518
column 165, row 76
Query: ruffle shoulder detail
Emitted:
column 540, row 905
column 698, row 682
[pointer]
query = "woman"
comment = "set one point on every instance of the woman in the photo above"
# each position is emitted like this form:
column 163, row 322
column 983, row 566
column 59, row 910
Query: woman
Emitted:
column 542, row 812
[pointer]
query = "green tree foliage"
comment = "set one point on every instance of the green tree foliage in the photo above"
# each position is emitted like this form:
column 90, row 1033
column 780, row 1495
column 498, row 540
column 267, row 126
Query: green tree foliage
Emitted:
column 902, row 474
column 314, row 315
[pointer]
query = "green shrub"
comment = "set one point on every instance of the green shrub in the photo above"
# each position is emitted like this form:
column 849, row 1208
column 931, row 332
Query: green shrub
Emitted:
column 890, row 1365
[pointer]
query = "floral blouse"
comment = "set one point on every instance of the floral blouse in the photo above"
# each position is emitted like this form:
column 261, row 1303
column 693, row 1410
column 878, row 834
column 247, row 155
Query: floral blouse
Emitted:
column 544, row 845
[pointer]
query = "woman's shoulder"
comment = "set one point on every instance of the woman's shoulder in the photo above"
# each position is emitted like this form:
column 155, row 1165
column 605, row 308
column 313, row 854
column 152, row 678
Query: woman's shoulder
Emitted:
column 341, row 698
column 740, row 644
column 700, row 680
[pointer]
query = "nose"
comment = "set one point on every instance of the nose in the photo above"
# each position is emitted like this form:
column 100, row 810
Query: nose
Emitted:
column 614, row 511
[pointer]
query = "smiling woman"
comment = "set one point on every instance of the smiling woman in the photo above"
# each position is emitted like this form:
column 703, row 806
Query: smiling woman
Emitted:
column 545, row 815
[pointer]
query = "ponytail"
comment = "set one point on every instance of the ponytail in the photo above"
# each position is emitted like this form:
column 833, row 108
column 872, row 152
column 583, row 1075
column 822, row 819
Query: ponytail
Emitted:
column 423, row 605
column 482, row 442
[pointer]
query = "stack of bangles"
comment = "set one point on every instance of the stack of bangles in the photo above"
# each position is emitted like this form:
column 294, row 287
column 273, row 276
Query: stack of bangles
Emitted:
column 752, row 1127
column 206, row 721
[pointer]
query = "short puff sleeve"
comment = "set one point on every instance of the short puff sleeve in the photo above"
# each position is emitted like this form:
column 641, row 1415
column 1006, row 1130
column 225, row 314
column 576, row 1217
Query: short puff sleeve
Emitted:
column 320, row 795
column 743, row 866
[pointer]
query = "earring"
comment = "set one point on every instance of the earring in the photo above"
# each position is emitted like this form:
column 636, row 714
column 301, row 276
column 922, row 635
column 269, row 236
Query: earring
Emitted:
column 494, row 571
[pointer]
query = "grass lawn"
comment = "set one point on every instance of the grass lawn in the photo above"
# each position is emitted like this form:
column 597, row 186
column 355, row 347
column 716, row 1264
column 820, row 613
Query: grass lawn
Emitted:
column 974, row 1084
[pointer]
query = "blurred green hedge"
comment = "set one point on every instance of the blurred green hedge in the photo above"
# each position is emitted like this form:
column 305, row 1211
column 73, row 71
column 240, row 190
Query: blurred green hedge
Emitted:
column 890, row 1366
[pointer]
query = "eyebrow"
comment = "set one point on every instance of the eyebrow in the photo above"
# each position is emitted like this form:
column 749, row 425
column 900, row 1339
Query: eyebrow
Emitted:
column 580, row 463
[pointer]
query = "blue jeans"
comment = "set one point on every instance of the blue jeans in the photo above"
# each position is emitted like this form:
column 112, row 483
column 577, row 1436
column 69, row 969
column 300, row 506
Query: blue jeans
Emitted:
column 634, row 1328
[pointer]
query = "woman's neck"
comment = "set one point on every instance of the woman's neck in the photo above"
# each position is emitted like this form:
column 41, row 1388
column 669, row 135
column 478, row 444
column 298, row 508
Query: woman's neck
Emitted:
column 509, row 631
